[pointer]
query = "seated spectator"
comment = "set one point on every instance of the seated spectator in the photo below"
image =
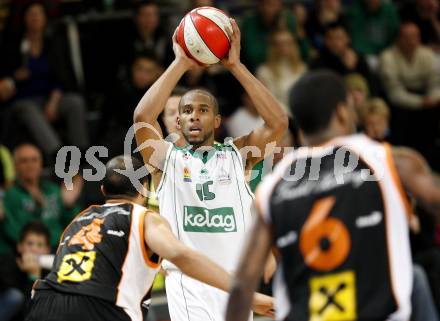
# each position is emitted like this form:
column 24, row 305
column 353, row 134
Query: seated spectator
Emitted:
column 337, row 54
column 426, row 15
column 31, row 83
column 123, row 99
column 301, row 17
column 283, row 66
column 358, row 88
column 32, row 198
column 375, row 119
column 409, row 71
column 244, row 120
column 149, row 34
column 256, row 29
column 373, row 25
column 170, row 116
column 20, row 273
column 412, row 83
column 324, row 13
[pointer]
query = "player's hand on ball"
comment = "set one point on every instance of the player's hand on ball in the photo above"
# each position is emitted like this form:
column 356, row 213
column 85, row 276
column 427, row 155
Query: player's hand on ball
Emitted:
column 180, row 54
column 264, row 305
column 233, row 56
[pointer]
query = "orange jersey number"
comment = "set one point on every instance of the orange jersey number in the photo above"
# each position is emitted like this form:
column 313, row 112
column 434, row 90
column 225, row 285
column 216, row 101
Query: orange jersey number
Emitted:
column 324, row 241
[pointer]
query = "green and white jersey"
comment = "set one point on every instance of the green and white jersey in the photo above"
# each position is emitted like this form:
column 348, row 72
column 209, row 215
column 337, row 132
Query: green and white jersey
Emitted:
column 207, row 201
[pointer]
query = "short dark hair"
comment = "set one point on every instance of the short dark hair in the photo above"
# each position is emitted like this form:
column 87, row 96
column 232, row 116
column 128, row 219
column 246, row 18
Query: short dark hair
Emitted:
column 205, row 92
column 35, row 227
column 314, row 99
column 116, row 184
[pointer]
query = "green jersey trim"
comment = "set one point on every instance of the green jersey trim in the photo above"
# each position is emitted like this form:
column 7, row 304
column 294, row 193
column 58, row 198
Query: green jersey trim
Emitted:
column 202, row 156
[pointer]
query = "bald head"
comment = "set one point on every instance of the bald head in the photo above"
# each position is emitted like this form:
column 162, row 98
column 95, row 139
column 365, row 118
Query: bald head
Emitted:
column 197, row 94
column 28, row 162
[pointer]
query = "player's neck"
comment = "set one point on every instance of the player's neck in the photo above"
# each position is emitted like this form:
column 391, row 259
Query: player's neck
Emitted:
column 204, row 146
column 322, row 138
column 136, row 200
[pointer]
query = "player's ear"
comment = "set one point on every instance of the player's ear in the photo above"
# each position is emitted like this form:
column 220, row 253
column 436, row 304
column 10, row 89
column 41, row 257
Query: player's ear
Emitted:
column 217, row 121
column 178, row 123
column 342, row 114
column 102, row 190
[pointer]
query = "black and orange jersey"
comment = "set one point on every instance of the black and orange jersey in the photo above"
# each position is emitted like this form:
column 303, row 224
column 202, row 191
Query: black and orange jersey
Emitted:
column 340, row 227
column 102, row 254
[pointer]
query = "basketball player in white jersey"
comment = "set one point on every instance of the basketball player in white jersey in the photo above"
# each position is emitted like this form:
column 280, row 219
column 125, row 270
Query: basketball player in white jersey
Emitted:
column 201, row 188
column 343, row 246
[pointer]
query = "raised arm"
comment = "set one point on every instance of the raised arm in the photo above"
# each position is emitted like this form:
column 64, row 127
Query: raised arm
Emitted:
column 148, row 133
column 249, row 271
column 417, row 178
column 161, row 240
column 275, row 118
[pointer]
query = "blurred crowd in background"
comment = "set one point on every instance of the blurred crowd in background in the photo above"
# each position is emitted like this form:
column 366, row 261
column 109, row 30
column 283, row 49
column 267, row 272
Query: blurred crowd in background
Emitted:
column 72, row 72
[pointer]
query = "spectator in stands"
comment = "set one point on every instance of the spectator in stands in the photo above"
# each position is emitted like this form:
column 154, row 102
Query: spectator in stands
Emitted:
column 337, row 54
column 373, row 25
column 283, row 66
column 244, row 119
column 170, row 117
column 409, row 71
column 257, row 28
column 33, row 198
column 19, row 273
column 149, row 34
column 324, row 13
column 375, row 118
column 358, row 88
column 32, row 84
column 412, row 83
column 123, row 99
column 426, row 15
column 301, row 17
